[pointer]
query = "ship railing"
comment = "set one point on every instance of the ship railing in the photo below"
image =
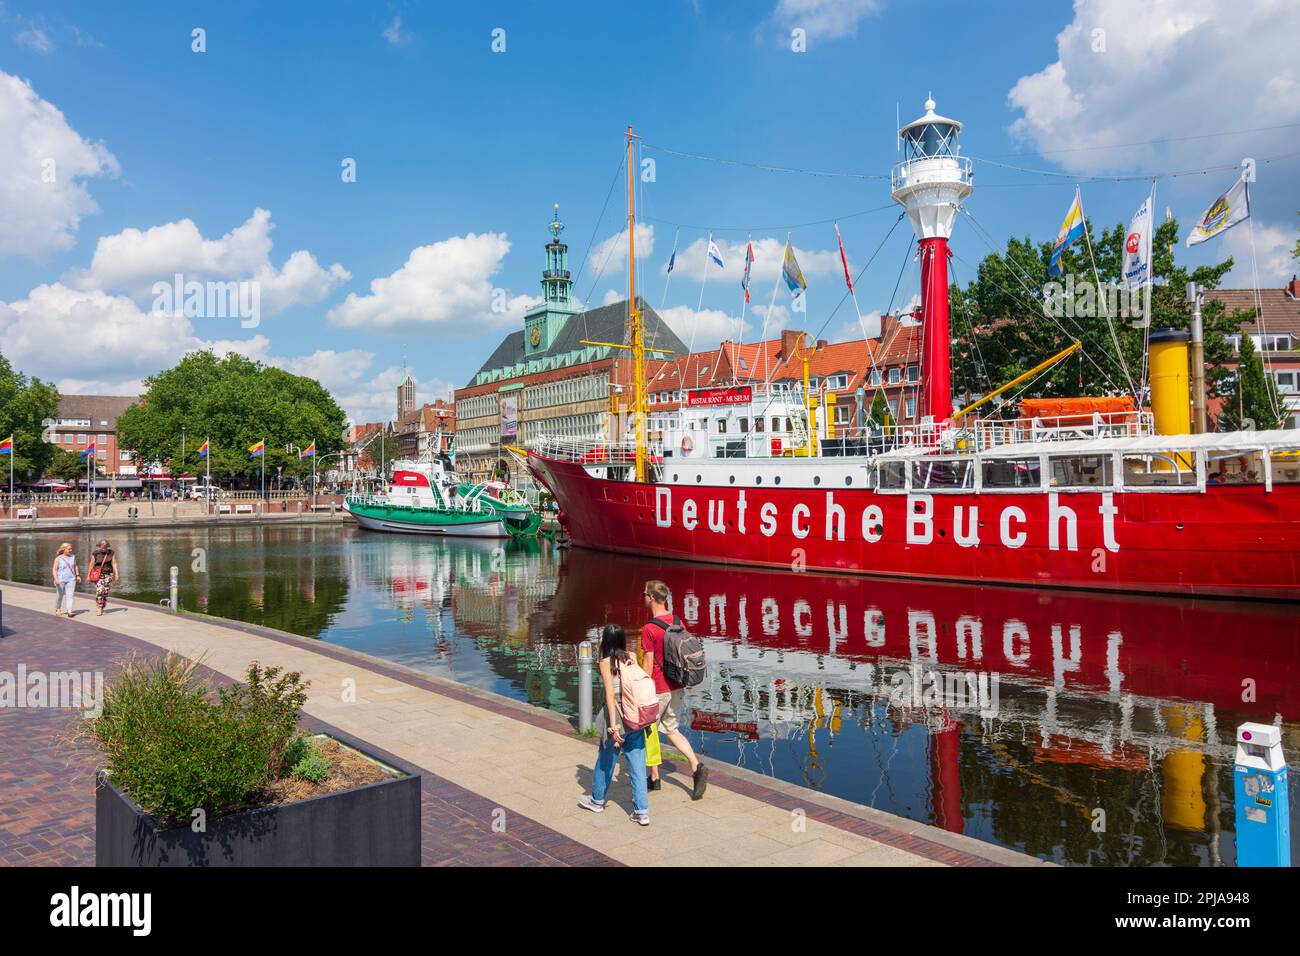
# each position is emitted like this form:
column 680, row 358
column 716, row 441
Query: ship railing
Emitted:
column 990, row 433
column 585, row 451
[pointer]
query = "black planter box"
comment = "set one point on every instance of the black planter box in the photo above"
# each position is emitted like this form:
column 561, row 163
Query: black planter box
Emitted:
column 374, row 825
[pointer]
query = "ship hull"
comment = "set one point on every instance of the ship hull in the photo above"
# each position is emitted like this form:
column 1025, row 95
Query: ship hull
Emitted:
column 391, row 520
column 1229, row 541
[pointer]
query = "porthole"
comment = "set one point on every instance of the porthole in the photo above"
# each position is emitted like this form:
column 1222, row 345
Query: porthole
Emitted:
column 817, row 479
column 758, row 480
column 848, row 479
column 674, row 477
column 776, row 480
column 698, row 479
column 731, row 480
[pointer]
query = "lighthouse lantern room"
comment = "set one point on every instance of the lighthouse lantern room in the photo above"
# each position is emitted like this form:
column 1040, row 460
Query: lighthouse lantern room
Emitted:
column 930, row 181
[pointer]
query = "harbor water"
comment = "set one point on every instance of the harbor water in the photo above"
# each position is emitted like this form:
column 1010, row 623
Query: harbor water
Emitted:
column 1077, row 727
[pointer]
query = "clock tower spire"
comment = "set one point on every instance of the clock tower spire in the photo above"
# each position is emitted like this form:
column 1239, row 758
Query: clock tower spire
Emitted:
column 543, row 322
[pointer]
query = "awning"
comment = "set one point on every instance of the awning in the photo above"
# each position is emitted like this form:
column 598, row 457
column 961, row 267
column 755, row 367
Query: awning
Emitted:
column 125, row 483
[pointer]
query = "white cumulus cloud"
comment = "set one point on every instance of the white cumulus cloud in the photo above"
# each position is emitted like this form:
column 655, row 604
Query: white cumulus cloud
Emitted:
column 132, row 260
column 44, row 165
column 703, row 328
column 825, row 19
column 1127, row 73
column 445, row 284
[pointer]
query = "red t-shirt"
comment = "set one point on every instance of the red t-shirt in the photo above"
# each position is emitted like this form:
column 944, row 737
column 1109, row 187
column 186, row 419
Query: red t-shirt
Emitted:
column 652, row 642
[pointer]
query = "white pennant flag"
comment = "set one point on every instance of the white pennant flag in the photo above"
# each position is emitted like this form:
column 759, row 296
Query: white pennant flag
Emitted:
column 1137, row 248
column 1224, row 213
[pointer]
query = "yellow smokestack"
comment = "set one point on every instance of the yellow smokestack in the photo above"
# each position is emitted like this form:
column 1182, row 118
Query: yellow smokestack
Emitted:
column 1171, row 396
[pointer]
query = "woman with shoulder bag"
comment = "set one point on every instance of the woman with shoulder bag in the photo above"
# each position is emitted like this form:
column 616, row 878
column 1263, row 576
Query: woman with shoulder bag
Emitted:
column 103, row 572
column 622, row 724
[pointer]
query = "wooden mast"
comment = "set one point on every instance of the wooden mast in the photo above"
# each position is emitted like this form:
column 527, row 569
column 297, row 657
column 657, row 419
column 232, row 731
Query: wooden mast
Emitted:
column 634, row 317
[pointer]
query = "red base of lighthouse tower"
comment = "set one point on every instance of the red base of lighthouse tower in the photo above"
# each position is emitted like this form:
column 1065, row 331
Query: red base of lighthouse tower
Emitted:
column 936, row 374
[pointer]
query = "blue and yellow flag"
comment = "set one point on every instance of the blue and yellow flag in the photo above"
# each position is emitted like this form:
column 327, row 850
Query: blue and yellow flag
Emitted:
column 1071, row 232
column 256, row 451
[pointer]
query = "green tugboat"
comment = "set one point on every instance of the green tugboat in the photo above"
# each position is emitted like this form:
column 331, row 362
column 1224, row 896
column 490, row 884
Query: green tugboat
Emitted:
column 425, row 497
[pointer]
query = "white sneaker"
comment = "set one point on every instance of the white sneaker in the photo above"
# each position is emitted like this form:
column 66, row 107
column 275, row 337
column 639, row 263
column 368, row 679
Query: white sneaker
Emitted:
column 589, row 804
column 641, row 818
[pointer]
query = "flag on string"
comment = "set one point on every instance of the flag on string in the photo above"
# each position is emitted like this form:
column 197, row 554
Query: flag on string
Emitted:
column 844, row 259
column 749, row 261
column 257, row 450
column 1224, row 213
column 715, row 253
column 203, row 450
column 308, row 452
column 88, row 451
column 790, row 269
column 7, row 445
column 1070, row 233
column 672, row 260
column 1136, row 270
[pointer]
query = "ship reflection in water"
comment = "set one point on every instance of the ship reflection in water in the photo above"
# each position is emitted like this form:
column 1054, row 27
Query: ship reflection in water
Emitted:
column 1082, row 728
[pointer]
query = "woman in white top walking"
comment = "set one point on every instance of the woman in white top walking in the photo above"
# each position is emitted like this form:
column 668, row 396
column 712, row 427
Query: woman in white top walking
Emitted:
column 66, row 578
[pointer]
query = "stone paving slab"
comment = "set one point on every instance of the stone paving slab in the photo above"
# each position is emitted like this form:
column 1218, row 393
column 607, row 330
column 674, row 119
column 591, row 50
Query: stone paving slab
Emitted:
column 529, row 763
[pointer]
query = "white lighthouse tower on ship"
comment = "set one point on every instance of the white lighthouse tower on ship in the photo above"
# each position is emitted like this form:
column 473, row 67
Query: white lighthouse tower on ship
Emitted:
column 930, row 182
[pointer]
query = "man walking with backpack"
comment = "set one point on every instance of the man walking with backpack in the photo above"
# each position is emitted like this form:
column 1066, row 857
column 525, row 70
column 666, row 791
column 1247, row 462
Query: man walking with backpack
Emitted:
column 674, row 659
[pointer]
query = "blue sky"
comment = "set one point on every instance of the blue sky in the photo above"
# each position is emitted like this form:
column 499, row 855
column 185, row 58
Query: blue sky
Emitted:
column 454, row 143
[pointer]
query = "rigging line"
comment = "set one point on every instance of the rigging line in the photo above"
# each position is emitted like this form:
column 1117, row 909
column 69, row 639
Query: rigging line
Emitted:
column 858, row 277
column 1154, row 142
column 1110, row 324
column 1036, row 313
column 787, row 226
column 975, row 343
column 767, row 167
column 1137, row 178
column 586, row 334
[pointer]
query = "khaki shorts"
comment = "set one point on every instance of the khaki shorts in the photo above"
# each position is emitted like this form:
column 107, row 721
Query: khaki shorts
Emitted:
column 669, row 704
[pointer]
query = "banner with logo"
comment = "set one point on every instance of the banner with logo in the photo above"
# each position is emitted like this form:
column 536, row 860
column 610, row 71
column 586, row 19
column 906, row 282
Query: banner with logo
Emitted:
column 1224, row 213
column 1136, row 270
column 509, row 417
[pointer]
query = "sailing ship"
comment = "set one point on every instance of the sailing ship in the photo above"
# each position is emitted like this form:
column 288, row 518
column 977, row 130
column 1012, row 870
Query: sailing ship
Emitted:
column 1119, row 501
column 426, row 497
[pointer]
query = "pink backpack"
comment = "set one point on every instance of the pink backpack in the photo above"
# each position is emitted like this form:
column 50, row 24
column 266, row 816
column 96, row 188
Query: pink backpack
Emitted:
column 638, row 703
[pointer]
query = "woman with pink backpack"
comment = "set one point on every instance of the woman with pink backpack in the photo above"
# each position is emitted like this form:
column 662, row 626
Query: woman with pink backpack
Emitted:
column 622, row 724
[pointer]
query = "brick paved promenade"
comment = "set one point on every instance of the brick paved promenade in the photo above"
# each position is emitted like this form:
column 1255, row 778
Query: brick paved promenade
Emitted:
column 477, row 752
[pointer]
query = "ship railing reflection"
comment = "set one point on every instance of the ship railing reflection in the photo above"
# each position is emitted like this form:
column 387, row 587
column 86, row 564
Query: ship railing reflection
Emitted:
column 777, row 691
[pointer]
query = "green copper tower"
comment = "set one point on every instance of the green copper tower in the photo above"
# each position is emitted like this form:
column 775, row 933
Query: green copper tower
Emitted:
column 543, row 322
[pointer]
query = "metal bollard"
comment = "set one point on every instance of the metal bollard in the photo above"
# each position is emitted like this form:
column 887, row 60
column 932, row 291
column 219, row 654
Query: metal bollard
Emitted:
column 585, row 657
column 173, row 601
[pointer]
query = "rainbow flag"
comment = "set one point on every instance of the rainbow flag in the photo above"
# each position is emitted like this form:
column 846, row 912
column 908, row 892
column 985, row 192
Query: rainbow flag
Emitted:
column 89, row 450
column 308, row 452
column 203, row 450
column 1071, row 232
column 7, row 445
column 258, row 450
column 790, row 269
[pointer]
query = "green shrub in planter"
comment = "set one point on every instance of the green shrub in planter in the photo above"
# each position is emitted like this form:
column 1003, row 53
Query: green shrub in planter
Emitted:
column 174, row 745
column 314, row 767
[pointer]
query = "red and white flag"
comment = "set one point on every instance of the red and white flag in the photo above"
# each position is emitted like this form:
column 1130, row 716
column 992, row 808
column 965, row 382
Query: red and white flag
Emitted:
column 844, row 259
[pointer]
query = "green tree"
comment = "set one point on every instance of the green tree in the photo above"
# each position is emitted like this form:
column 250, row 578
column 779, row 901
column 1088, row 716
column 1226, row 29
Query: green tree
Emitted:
column 1250, row 398
column 233, row 402
column 66, row 465
column 880, row 409
column 1002, row 325
column 24, row 404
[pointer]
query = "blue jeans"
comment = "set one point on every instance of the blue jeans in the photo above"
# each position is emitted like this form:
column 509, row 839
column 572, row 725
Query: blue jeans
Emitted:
column 634, row 750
